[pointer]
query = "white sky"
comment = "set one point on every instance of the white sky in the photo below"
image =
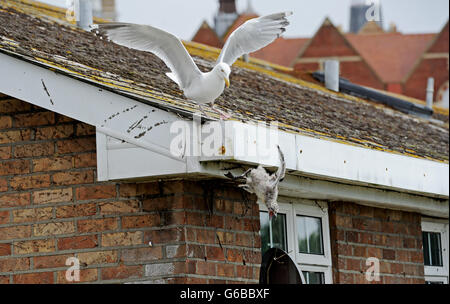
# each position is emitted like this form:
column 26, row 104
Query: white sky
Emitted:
column 183, row 17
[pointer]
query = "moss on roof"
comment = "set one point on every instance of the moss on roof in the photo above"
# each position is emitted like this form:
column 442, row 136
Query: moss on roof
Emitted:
column 257, row 93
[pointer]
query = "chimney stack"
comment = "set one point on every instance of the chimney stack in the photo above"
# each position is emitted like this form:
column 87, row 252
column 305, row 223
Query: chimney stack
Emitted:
column 225, row 17
column 227, row 6
column 430, row 93
column 85, row 18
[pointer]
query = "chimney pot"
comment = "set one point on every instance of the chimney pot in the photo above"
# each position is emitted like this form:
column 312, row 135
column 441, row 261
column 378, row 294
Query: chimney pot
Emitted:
column 228, row 6
column 86, row 18
column 332, row 75
column 430, row 92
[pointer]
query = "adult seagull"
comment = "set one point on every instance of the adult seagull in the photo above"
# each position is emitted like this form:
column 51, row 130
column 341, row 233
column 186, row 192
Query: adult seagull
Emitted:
column 202, row 88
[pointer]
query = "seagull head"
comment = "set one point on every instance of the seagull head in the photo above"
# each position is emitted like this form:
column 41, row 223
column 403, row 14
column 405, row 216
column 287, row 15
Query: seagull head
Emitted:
column 224, row 71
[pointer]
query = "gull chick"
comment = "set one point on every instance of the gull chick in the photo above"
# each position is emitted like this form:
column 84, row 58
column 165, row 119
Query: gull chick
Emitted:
column 202, row 88
column 263, row 184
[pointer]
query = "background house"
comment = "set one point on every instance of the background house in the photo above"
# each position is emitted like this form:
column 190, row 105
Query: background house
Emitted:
column 369, row 55
column 86, row 170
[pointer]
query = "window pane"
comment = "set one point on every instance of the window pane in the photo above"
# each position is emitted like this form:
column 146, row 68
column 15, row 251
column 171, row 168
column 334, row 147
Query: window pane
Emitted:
column 432, row 251
column 434, row 282
column 314, row 277
column 309, row 230
column 278, row 231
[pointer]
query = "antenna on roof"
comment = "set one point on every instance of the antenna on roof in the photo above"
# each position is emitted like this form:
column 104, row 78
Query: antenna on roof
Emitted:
column 86, row 18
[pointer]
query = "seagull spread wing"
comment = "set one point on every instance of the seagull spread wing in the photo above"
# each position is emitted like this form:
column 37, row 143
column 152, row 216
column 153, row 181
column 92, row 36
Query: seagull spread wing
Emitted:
column 166, row 46
column 253, row 35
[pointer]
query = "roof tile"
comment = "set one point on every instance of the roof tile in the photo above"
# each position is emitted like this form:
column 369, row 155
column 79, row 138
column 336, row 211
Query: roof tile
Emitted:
column 257, row 94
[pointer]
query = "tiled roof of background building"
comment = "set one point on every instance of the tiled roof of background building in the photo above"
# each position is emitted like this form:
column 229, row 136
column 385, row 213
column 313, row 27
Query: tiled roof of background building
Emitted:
column 282, row 51
column 391, row 55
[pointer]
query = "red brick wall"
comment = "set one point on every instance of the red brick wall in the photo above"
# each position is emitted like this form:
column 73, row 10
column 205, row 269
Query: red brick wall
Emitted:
column 307, row 67
column 395, row 88
column 417, row 83
column 441, row 43
column 359, row 72
column 394, row 237
column 52, row 208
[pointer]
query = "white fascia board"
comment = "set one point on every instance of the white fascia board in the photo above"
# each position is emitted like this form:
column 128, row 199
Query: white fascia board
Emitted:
column 114, row 115
column 149, row 156
column 332, row 160
column 315, row 189
column 117, row 160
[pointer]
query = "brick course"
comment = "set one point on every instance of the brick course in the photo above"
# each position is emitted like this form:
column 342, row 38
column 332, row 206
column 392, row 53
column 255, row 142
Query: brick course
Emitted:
column 52, row 208
column 359, row 232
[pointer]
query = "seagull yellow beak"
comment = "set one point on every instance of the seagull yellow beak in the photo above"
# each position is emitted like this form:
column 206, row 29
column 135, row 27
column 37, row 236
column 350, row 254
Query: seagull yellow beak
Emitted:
column 227, row 82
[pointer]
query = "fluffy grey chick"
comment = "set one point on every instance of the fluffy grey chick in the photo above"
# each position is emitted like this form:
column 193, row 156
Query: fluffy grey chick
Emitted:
column 263, row 184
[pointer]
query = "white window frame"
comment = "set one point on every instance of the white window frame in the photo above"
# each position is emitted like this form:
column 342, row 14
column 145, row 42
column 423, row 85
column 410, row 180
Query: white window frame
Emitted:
column 436, row 273
column 306, row 262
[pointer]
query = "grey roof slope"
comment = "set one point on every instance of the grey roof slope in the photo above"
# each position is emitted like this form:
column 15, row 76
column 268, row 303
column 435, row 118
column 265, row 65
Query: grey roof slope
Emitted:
column 253, row 96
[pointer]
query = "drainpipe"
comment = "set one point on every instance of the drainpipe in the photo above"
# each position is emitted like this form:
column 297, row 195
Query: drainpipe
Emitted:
column 85, row 19
column 430, row 92
column 332, row 75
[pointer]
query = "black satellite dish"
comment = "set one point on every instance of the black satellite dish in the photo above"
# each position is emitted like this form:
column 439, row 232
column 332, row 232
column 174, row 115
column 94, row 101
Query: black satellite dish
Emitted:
column 278, row 268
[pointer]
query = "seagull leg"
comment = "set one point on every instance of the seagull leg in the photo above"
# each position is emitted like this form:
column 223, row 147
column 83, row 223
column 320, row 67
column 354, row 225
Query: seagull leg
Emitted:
column 223, row 115
column 202, row 110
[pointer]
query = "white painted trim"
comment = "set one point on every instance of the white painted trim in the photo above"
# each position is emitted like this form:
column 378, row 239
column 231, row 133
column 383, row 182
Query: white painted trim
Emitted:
column 436, row 279
column 137, row 143
column 311, row 188
column 435, row 273
column 322, row 59
column 328, row 276
column 435, row 56
column 286, row 209
column 111, row 113
column 305, row 262
column 315, row 211
column 102, row 157
column 401, row 187
column 327, row 159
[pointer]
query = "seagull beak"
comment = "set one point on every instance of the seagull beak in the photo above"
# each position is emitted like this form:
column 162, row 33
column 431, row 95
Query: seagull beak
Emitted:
column 227, row 82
